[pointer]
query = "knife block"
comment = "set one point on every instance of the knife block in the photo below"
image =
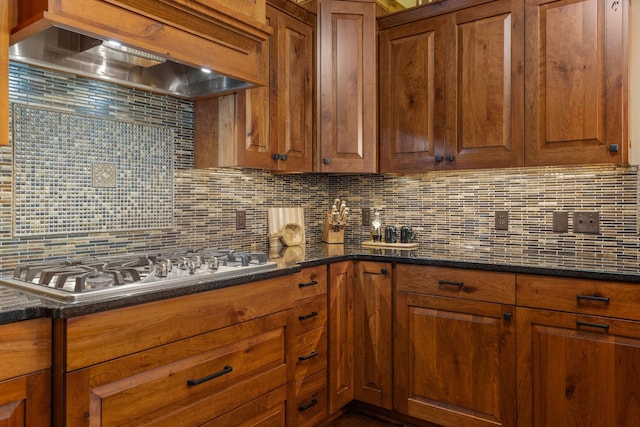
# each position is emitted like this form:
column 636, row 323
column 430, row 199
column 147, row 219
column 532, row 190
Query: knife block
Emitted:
column 331, row 234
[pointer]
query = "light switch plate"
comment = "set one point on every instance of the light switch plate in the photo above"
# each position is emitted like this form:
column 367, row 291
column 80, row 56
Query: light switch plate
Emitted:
column 241, row 219
column 502, row 220
column 560, row 222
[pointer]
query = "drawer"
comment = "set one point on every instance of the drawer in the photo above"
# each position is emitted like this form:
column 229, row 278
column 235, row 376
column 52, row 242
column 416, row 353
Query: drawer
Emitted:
column 184, row 383
column 266, row 411
column 310, row 313
column 478, row 285
column 598, row 297
column 311, row 282
column 25, row 347
column 310, row 352
column 309, row 401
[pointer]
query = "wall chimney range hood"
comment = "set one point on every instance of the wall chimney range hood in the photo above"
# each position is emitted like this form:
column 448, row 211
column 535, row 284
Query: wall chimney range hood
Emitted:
column 159, row 46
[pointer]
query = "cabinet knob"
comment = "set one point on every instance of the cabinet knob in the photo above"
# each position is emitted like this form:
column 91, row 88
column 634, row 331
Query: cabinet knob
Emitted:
column 438, row 159
column 507, row 316
column 384, row 271
column 449, row 158
column 283, row 157
column 613, row 148
column 326, row 160
column 276, row 156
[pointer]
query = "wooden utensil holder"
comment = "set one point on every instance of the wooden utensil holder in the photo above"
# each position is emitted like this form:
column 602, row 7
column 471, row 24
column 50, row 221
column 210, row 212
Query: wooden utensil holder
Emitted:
column 332, row 234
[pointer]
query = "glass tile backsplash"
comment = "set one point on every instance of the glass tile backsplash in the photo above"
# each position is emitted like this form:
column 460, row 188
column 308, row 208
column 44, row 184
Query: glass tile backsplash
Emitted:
column 452, row 212
column 78, row 173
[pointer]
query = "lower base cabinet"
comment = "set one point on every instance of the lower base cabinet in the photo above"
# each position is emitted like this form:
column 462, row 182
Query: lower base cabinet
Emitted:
column 577, row 370
column 25, row 373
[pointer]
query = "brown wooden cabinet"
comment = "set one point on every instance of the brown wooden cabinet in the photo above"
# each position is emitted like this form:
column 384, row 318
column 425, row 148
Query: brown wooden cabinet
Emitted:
column 341, row 335
column 373, row 319
column 308, row 404
column 463, row 69
column 347, row 131
column 269, row 127
column 578, row 352
column 190, row 359
column 25, row 373
column 576, row 82
column 455, row 356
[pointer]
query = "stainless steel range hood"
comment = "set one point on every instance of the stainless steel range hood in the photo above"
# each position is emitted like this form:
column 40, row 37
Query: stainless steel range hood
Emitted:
column 63, row 50
column 142, row 51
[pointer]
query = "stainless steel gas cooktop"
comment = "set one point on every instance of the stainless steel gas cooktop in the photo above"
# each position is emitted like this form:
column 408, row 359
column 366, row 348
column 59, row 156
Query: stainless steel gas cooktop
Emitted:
column 86, row 279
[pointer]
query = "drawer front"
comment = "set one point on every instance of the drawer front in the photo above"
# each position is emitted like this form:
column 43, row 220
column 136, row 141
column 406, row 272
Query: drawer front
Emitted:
column 310, row 352
column 266, row 411
column 25, row 347
column 310, row 313
column 309, row 403
column 613, row 299
column 477, row 285
column 311, row 282
column 191, row 382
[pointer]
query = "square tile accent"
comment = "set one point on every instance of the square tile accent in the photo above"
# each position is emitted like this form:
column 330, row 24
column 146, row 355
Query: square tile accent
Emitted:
column 66, row 167
column 103, row 175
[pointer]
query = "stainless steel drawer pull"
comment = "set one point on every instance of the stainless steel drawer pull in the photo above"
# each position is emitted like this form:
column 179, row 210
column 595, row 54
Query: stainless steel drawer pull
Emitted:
column 306, row 285
column 603, row 326
column 311, row 404
column 309, row 356
column 592, row 298
column 308, row 316
column 224, row 371
column 446, row 282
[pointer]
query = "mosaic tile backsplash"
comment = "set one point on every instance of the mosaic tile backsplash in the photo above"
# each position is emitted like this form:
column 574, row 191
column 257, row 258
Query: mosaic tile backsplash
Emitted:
column 77, row 173
column 452, row 212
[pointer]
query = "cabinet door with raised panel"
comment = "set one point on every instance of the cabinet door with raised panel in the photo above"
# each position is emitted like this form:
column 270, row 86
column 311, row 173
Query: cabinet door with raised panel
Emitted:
column 576, row 81
column 485, row 86
column 577, row 370
column 372, row 310
column 291, row 92
column 412, row 94
column 455, row 361
column 341, row 335
column 347, row 131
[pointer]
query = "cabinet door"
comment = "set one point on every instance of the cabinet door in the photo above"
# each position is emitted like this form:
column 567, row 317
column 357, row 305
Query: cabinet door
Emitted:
column 26, row 400
column 577, row 370
column 412, row 113
column 373, row 333
column 341, row 335
column 485, row 86
column 291, row 92
column 576, row 82
column 347, row 131
column 455, row 361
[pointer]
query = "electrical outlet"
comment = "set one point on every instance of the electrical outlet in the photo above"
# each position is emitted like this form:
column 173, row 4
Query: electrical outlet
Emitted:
column 586, row 222
column 560, row 222
column 366, row 216
column 241, row 219
column 502, row 220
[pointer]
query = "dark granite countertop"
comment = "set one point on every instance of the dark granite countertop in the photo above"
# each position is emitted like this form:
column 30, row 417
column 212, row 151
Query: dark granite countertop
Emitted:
column 16, row 305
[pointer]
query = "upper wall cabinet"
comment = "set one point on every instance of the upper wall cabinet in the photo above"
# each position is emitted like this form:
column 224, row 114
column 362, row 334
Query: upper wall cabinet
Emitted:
column 347, row 131
column 576, row 82
column 451, row 90
column 269, row 127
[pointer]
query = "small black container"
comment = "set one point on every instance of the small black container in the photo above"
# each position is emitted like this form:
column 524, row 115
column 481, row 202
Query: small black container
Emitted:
column 406, row 234
column 390, row 234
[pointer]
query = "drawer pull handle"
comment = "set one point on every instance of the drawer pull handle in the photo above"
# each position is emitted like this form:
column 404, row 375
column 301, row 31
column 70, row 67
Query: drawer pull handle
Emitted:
column 593, row 298
column 603, row 326
column 308, row 316
column 446, row 282
column 309, row 356
column 311, row 404
column 224, row 371
column 306, row 285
